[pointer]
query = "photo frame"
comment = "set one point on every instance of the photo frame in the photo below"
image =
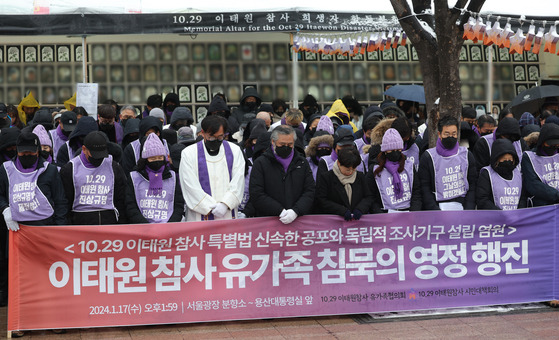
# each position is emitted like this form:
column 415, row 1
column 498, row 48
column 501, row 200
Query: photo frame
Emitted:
column 14, row 95
column 231, row 52
column 299, row 54
column 199, row 72
column 166, row 52
column 280, row 72
column 329, row 92
column 118, row 93
column 78, row 53
column 310, row 56
column 358, row 57
column 47, row 74
column 201, row 113
column 311, row 72
column 281, row 52
column 150, row 52
column 519, row 73
column 216, row 72
column 13, row 76
column 233, row 93
column 166, row 73
column 464, row 72
column 214, row 52
column 373, row 56
column 506, row 72
column 476, row 53
column 359, row 72
column 48, row 95
column 267, row 93
column 265, row 72
column 78, row 73
column 282, row 91
column 463, row 53
column 417, row 73
column 135, row 94
column 479, row 71
column 373, row 72
column 263, row 52
column 532, row 57
column 520, row 88
column 183, row 72
column 389, row 72
column 232, row 72
column 202, row 93
column 466, row 91
column 64, row 92
column 493, row 53
column 63, row 53
column 387, row 55
column 103, row 94
column 326, row 57
column 65, row 74
column 116, row 73
column 504, row 54
column 402, row 53
column 149, row 90
column 150, row 73
column 184, row 94
column 518, row 57
column 116, row 52
column 98, row 53
column 414, row 56
column 343, row 72
column 217, row 89
column 181, row 52
column 327, row 72
column 479, row 91
column 133, row 52
column 495, row 110
column 342, row 57
column 30, row 74
column 508, row 91
column 99, row 74
column 376, row 92
column 533, row 73
column 405, row 72
column 360, row 91
column 30, row 54
column 247, row 52
column 134, row 73
column 13, row 54
column 249, row 72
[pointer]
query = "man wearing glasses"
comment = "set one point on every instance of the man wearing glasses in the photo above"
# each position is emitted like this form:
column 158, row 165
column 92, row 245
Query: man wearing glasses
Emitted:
column 212, row 174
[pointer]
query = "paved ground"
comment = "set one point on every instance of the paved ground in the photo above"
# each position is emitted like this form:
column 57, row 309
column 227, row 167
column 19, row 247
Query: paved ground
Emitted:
column 542, row 324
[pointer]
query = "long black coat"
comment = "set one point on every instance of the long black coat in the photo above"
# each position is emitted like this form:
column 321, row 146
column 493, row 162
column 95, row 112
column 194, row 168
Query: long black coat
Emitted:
column 331, row 197
column 272, row 189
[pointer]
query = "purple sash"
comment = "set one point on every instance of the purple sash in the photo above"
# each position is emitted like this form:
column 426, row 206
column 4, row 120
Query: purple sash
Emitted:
column 93, row 187
column 546, row 167
column 154, row 208
column 506, row 193
column 27, row 201
column 386, row 187
column 203, row 175
column 490, row 138
column 451, row 174
column 314, row 167
column 57, row 142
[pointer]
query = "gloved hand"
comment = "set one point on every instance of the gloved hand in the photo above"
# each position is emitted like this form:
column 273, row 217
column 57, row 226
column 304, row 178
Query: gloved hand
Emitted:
column 282, row 214
column 357, row 214
column 241, row 215
column 11, row 224
column 220, row 210
column 347, row 215
column 289, row 216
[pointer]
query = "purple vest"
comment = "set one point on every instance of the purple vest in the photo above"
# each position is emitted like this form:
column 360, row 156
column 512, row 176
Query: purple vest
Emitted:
column 314, row 167
column 27, row 201
column 386, row 188
column 451, row 174
column 203, row 175
column 57, row 142
column 506, row 193
column 546, row 167
column 412, row 153
column 490, row 138
column 360, row 143
column 154, row 208
column 93, row 187
column 137, row 152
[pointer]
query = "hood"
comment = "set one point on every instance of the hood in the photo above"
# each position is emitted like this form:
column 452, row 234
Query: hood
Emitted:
column 8, row 137
column 262, row 144
column 528, row 129
column 380, row 129
column 85, row 125
column 310, row 151
column 115, row 150
column 175, row 152
column 507, row 126
column 501, row 147
column 71, row 101
column 548, row 131
column 181, row 113
column 527, row 119
column 311, row 119
column 257, row 127
column 170, row 136
column 132, row 126
column 218, row 104
column 352, row 103
column 28, row 101
column 149, row 123
column 309, row 101
column 171, row 97
column 325, row 124
column 371, row 110
column 338, row 109
column 251, row 92
column 43, row 117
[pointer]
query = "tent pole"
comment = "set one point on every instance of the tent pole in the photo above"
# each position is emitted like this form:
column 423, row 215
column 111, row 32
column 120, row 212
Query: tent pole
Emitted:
column 295, row 79
column 84, row 59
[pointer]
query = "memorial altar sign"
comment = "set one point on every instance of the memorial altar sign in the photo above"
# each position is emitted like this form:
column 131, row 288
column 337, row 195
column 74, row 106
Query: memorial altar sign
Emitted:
column 95, row 276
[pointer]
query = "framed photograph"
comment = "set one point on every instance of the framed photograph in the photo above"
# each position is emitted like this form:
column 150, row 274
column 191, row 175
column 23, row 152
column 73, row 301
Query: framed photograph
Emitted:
column 508, row 91
column 389, row 72
column 201, row 113
column 14, row 76
column 533, row 73
column 373, row 56
column 504, row 54
column 217, row 89
column 134, row 73
column 63, row 53
column 495, row 110
column 233, row 93
column 167, row 89
column 310, row 56
column 282, row 91
column 232, row 72
column 249, row 72
column 64, row 92
column 466, row 91
column 14, row 95
column 464, row 72
column 263, row 52
column 103, row 94
column 506, row 72
column 326, row 57
column 414, row 55
column 343, row 72
column 342, row 57
column 329, row 92
column 118, row 93
column 166, row 73
column 199, row 72
column 532, row 57
column 97, row 53
column 519, row 73
column 231, row 52
column 402, row 53
column 216, row 72
column 47, row 74
column 520, row 88
column 345, row 90
column 30, row 74
column 479, row 92
column 481, row 107
column 135, row 94
column 117, row 73
column 376, row 92
column 65, row 74
column 133, row 52
column 360, row 91
column 214, row 52
column 327, row 72
column 30, row 54
column 150, row 73
column 78, row 53
column 358, row 72
column 184, row 93
column 14, row 54
column 150, row 53
column 99, row 74
column 490, row 50
column 518, row 57
column 149, row 90
column 265, row 72
column 358, row 57
column 281, row 52
column 202, row 93
column 78, row 73
column 183, row 72
column 387, row 55
column 463, row 54
column 281, row 72
column 405, row 72
column 417, row 73
column 247, row 52
column 165, row 52
column 475, row 53
column 198, row 52
column 116, row 53
column 49, row 95
column 181, row 52
column 267, row 93
column 373, row 71
column 311, row 72
column 479, row 72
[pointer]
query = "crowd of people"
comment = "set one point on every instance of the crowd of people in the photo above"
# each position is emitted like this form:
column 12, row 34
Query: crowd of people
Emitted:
column 62, row 166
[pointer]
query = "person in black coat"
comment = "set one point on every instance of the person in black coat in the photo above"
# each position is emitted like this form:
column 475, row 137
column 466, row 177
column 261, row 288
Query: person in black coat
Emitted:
column 281, row 181
column 342, row 190
column 75, row 141
column 501, row 180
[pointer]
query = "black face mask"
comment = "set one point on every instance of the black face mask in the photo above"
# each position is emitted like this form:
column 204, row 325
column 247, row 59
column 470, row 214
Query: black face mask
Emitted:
column 66, row 133
column 123, row 122
column 106, row 127
column 394, row 156
column 323, row 152
column 449, row 142
column 45, row 154
column 505, row 168
column 155, row 165
column 313, row 130
column 27, row 161
column 368, row 140
column 171, row 108
column 10, row 153
column 213, row 146
column 251, row 106
column 176, row 127
column 95, row 161
column 283, row 151
column 549, row 150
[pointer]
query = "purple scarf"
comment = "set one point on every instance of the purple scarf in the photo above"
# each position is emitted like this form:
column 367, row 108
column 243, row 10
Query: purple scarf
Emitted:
column 285, row 161
column 155, row 180
column 61, row 134
column 392, row 167
column 446, row 152
column 24, row 170
column 300, row 127
column 85, row 162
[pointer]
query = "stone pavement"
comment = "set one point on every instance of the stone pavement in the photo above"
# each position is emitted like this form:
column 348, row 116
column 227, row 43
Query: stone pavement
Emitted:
column 541, row 324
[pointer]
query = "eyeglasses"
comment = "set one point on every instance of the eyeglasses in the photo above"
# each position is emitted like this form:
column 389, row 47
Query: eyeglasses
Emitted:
column 219, row 138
